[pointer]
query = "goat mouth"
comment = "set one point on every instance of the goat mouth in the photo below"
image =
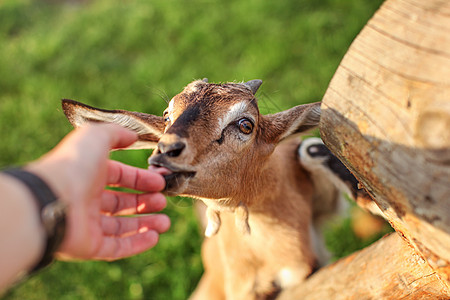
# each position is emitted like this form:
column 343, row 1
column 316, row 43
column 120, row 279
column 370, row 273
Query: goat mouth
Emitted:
column 175, row 178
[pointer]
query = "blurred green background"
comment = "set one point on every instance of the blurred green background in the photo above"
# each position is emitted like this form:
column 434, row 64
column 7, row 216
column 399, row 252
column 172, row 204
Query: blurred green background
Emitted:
column 135, row 55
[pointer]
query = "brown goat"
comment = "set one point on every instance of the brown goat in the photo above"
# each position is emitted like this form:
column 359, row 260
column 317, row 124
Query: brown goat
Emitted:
column 213, row 144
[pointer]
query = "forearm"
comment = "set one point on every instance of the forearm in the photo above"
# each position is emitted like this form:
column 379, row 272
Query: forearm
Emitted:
column 21, row 233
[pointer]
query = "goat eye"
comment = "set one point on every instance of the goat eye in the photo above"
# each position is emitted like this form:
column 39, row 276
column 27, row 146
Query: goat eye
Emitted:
column 166, row 117
column 245, row 126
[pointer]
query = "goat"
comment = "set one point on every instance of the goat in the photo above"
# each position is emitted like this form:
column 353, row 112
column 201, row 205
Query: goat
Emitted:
column 213, row 144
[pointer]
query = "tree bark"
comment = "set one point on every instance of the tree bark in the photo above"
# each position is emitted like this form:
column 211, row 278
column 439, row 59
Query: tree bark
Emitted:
column 386, row 115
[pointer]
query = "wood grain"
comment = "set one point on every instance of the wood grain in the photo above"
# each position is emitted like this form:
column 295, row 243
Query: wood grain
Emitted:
column 386, row 115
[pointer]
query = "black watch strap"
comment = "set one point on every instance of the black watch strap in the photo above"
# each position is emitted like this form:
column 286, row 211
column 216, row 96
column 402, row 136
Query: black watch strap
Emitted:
column 52, row 212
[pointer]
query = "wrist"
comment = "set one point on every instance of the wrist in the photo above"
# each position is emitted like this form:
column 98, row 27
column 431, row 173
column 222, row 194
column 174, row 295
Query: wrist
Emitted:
column 51, row 174
column 51, row 212
column 23, row 236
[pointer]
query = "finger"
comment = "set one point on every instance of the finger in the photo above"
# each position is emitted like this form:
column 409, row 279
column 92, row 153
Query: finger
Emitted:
column 115, row 247
column 104, row 136
column 120, row 203
column 117, row 226
column 138, row 179
column 119, row 137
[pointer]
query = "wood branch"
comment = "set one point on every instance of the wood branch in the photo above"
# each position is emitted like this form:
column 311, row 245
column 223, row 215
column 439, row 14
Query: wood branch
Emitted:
column 386, row 115
column 388, row 269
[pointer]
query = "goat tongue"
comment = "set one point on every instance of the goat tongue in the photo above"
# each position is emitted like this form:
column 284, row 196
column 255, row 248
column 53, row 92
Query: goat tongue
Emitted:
column 160, row 170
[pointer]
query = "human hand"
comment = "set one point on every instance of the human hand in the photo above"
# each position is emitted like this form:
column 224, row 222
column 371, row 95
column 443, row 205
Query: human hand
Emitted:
column 78, row 169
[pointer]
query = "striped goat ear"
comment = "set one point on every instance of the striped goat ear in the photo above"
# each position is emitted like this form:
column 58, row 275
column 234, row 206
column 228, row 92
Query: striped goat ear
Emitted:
column 296, row 120
column 148, row 127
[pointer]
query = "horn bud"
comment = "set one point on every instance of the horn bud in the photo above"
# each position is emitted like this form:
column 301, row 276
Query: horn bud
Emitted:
column 253, row 85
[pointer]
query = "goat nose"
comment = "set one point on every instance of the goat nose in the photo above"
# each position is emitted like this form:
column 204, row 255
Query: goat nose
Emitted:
column 172, row 149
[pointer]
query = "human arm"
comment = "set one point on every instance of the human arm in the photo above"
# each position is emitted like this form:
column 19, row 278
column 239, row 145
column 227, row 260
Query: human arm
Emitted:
column 77, row 170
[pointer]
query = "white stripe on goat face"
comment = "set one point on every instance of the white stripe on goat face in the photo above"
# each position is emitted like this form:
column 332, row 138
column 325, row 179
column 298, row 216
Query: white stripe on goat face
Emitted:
column 234, row 113
column 170, row 107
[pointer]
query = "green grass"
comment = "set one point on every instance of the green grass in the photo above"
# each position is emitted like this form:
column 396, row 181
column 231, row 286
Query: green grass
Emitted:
column 134, row 55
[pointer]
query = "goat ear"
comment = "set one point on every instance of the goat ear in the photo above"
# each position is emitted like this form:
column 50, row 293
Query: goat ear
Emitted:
column 148, row 127
column 298, row 119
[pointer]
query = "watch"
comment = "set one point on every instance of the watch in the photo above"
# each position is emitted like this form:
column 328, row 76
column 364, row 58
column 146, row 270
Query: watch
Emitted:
column 52, row 212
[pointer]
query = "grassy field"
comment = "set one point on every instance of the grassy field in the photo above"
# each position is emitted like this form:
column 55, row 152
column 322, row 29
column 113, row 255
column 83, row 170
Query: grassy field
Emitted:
column 134, row 55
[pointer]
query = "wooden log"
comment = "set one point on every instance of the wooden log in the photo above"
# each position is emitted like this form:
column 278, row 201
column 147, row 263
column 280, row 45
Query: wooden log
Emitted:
column 388, row 269
column 386, row 115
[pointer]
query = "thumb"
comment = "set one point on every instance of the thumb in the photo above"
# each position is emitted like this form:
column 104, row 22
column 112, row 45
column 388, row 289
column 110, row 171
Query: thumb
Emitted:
column 120, row 137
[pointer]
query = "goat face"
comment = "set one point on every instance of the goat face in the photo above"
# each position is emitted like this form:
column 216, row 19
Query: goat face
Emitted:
column 212, row 141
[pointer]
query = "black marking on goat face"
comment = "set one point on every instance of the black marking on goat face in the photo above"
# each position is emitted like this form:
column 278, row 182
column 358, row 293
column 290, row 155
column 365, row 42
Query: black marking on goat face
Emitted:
column 333, row 163
column 318, row 150
column 341, row 171
column 185, row 120
column 222, row 137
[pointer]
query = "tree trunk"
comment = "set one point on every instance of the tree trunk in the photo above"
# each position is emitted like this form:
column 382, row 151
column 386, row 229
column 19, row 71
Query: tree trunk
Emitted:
column 386, row 115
